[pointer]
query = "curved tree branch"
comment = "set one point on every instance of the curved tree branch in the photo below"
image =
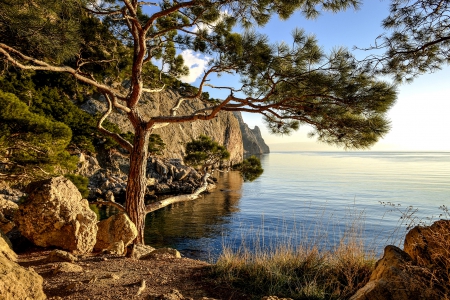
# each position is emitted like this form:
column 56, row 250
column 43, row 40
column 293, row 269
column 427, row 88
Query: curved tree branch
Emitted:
column 122, row 142
column 181, row 198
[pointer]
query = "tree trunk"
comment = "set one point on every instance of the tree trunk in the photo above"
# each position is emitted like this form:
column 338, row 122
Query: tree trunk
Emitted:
column 137, row 182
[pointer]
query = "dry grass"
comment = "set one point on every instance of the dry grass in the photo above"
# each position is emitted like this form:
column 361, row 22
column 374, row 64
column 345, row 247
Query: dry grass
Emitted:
column 305, row 270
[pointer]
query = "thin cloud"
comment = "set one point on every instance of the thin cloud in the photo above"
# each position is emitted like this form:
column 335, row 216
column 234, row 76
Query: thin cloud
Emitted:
column 196, row 64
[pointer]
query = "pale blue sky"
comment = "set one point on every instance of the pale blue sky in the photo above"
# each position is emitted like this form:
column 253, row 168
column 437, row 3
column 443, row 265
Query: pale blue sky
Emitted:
column 419, row 119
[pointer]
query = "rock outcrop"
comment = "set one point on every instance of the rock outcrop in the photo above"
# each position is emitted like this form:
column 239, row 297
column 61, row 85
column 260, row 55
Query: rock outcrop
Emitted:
column 56, row 215
column 419, row 272
column 17, row 282
column 252, row 139
column 224, row 128
column 115, row 229
column 429, row 245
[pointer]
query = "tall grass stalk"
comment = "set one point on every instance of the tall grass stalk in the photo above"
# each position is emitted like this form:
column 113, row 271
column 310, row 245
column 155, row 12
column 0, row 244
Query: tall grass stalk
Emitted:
column 293, row 265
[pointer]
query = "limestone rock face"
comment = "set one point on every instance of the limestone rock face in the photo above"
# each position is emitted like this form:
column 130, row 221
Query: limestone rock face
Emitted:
column 6, row 249
column 115, row 229
column 252, row 139
column 17, row 282
column 429, row 245
column 87, row 165
column 223, row 129
column 56, row 215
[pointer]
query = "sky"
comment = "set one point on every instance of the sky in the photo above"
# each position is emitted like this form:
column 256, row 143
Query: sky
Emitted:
column 419, row 119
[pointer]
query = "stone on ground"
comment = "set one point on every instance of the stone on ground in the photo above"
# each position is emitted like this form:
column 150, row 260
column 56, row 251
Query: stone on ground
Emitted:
column 162, row 253
column 115, row 229
column 136, row 251
column 66, row 267
column 56, row 215
column 61, row 256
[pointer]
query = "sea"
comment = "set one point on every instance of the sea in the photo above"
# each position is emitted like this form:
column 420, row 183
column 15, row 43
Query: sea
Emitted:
column 310, row 198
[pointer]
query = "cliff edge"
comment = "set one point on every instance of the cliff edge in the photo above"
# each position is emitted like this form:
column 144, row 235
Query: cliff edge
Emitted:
column 224, row 128
column 252, row 138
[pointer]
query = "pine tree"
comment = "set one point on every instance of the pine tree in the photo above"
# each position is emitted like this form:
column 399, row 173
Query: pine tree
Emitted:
column 291, row 85
column 417, row 41
column 31, row 146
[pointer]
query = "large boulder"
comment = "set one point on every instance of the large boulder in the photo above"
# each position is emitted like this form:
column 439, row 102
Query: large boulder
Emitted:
column 56, row 215
column 17, row 282
column 429, row 245
column 115, row 229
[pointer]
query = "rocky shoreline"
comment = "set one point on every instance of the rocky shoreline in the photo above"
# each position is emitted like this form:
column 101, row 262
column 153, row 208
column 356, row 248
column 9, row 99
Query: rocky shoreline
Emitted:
column 53, row 245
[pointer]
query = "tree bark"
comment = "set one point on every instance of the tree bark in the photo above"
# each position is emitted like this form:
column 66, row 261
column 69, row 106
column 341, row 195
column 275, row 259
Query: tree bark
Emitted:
column 137, row 182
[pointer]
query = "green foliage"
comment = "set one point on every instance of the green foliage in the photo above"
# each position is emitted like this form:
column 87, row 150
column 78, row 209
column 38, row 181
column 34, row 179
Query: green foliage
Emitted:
column 204, row 152
column 80, row 182
column 31, row 146
column 417, row 40
column 250, row 168
column 156, row 145
column 41, row 28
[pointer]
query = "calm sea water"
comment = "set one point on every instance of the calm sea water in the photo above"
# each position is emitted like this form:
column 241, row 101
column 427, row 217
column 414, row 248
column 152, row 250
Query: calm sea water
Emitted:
column 312, row 197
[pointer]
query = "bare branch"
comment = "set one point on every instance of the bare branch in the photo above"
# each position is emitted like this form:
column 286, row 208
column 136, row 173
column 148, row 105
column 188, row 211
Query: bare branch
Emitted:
column 122, row 142
column 181, row 198
column 154, row 90
column 43, row 66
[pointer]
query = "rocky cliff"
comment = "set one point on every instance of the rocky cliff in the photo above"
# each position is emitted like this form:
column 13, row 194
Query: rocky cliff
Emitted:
column 252, row 139
column 224, row 128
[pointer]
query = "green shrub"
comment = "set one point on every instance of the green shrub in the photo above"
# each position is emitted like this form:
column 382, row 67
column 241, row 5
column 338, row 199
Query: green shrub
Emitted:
column 204, row 152
column 250, row 168
column 80, row 182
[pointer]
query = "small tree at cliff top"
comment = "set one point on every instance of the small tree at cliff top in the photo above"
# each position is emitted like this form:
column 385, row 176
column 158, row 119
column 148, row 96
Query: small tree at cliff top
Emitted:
column 290, row 85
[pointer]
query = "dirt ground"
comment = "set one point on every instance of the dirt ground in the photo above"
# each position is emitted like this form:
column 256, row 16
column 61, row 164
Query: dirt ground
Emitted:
column 117, row 277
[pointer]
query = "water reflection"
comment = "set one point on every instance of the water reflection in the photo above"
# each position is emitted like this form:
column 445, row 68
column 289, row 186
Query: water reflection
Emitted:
column 191, row 226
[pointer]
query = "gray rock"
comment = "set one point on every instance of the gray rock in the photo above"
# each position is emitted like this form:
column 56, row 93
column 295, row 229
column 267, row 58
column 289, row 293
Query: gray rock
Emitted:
column 56, row 215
